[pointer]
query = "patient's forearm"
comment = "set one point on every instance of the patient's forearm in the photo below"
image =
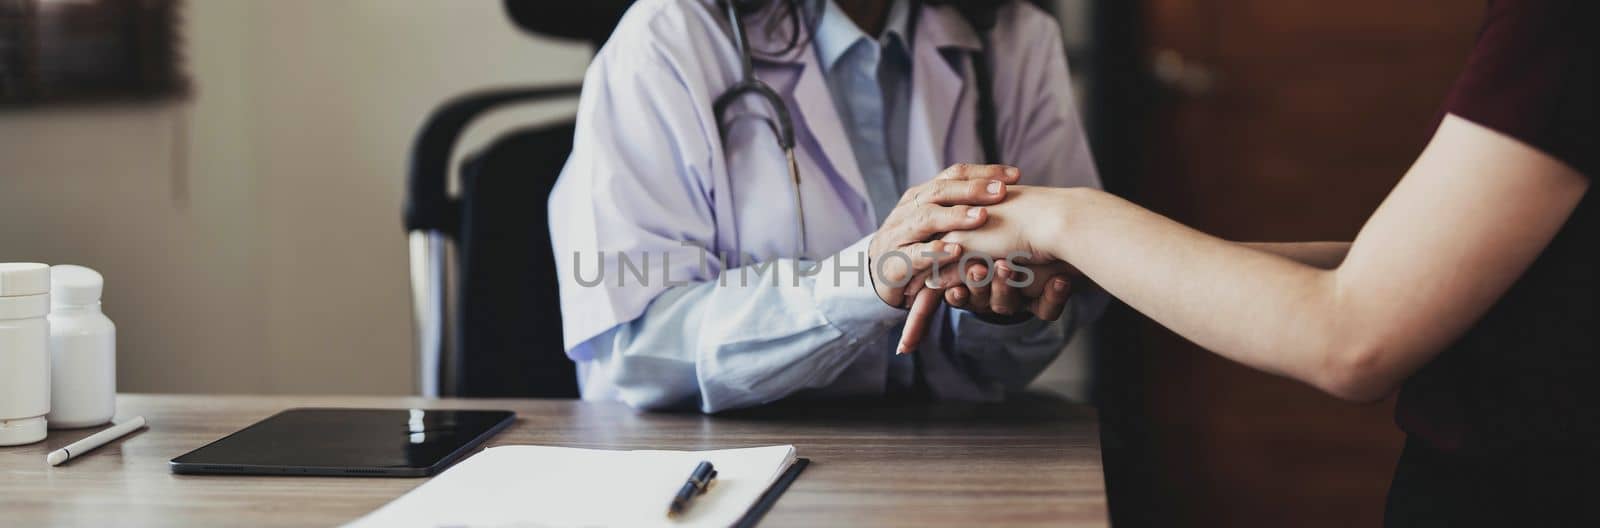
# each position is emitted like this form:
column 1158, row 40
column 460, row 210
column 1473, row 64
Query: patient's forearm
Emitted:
column 1325, row 255
column 1256, row 307
column 1468, row 219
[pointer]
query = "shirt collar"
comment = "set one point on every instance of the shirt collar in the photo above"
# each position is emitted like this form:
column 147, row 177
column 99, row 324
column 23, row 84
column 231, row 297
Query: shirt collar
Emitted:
column 836, row 33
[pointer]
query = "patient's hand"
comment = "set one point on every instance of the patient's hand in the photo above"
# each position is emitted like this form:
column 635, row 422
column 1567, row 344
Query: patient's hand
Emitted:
column 1021, row 279
column 1026, row 216
column 952, row 201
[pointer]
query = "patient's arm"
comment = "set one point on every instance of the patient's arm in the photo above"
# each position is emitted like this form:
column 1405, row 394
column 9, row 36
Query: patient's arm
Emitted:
column 1325, row 255
column 1468, row 218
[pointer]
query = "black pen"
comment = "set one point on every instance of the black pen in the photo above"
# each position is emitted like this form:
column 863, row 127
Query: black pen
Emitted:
column 698, row 481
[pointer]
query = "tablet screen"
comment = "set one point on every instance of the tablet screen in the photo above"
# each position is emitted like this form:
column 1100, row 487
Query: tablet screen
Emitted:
column 379, row 442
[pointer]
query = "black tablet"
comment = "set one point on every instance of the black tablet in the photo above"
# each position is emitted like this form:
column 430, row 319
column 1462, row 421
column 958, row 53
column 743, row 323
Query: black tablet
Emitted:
column 348, row 442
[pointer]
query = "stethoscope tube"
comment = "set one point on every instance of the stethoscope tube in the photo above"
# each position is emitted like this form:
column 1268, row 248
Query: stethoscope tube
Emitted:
column 783, row 128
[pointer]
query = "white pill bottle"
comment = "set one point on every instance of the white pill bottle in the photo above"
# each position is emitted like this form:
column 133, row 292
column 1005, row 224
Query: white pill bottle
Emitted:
column 24, row 352
column 83, row 350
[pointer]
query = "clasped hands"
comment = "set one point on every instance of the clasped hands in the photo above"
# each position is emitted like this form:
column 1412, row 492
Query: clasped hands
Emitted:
column 960, row 238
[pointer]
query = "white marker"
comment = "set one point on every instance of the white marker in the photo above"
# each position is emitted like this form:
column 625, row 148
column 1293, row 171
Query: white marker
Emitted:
column 89, row 443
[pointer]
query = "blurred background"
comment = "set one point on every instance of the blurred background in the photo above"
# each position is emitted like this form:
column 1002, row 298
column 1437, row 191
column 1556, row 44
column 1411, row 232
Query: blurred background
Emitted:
column 250, row 230
column 236, row 169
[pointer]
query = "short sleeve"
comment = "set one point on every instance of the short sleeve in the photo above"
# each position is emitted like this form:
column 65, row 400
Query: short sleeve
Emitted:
column 1531, row 76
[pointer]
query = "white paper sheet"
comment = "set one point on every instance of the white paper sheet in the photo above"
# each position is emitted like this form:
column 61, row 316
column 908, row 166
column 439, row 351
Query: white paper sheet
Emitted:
column 537, row 486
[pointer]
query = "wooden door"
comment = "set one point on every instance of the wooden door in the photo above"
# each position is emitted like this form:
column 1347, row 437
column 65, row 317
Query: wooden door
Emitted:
column 1281, row 120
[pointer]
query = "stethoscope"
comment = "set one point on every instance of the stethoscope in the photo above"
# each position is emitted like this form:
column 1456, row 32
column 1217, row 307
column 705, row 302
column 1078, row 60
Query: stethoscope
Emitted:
column 783, row 127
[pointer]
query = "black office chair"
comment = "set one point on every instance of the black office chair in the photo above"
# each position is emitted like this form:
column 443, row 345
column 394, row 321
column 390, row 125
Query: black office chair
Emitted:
column 503, row 338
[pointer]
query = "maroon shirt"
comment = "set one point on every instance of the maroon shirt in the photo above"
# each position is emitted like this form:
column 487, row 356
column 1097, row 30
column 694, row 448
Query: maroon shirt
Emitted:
column 1525, row 380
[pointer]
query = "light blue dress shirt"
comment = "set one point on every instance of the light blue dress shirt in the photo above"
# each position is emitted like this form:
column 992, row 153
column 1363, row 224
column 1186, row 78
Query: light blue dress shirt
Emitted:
column 715, row 347
column 870, row 83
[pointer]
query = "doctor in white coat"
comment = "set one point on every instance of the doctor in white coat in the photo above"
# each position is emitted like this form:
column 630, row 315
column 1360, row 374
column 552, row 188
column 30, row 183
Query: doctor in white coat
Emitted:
column 681, row 286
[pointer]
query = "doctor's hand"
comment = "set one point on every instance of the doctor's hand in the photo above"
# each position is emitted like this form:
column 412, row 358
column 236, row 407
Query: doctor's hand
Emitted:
column 1006, row 293
column 1002, row 293
column 906, row 245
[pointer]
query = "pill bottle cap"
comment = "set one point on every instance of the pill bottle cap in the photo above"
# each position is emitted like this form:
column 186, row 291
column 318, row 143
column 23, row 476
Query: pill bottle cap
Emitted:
column 24, row 278
column 74, row 285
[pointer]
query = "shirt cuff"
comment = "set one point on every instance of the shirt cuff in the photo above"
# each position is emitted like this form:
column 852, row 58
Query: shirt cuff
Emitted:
column 845, row 295
column 968, row 325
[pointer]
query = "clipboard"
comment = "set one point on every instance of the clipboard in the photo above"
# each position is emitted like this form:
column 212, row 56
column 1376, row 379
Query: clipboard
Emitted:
column 564, row 486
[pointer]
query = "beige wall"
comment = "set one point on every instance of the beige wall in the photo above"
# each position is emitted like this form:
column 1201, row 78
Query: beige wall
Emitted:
column 251, row 236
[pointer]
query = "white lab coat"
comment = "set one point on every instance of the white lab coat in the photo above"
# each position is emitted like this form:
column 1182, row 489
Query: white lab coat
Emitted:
column 650, row 176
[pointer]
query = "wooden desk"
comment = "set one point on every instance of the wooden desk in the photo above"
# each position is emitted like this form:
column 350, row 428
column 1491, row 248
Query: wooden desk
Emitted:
column 1029, row 462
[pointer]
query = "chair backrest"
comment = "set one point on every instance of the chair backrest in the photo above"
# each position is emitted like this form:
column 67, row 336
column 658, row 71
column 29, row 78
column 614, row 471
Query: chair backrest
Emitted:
column 590, row 20
column 508, row 316
column 501, row 337
column 477, row 345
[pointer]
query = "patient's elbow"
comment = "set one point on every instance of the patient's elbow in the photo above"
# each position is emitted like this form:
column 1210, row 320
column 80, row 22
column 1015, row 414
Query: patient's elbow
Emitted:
column 1356, row 371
